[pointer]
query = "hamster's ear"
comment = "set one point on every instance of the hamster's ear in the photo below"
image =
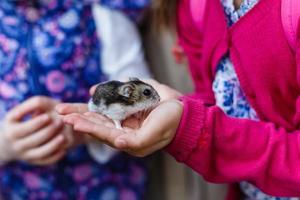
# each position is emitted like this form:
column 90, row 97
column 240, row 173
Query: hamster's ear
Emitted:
column 126, row 90
column 133, row 79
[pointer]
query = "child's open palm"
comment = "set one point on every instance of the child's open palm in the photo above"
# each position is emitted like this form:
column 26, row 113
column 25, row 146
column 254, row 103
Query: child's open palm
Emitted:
column 140, row 135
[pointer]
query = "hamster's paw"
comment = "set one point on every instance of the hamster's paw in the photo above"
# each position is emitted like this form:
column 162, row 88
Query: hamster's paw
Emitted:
column 118, row 124
column 91, row 106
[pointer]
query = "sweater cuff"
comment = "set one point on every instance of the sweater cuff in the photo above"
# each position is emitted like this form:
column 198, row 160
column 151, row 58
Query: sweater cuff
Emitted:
column 189, row 130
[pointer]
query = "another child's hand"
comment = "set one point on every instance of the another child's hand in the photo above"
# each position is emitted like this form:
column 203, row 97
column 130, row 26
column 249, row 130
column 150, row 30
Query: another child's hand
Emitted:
column 73, row 138
column 140, row 136
column 35, row 140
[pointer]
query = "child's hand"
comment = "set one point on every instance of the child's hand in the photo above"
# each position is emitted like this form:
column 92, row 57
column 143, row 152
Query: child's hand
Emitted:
column 73, row 138
column 140, row 136
column 36, row 140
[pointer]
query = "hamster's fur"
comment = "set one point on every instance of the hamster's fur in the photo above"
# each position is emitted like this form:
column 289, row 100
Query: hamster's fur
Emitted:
column 118, row 100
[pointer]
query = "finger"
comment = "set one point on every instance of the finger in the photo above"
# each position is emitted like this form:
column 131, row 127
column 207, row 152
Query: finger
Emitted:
column 26, row 128
column 51, row 159
column 151, row 82
column 152, row 131
column 165, row 92
column 137, row 140
column 93, row 89
column 40, row 137
column 68, row 108
column 36, row 113
column 95, row 115
column 98, row 130
column 45, row 150
column 70, row 118
column 96, row 118
column 31, row 105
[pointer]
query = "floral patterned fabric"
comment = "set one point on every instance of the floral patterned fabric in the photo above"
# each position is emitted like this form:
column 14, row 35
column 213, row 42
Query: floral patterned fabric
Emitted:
column 50, row 47
column 43, row 51
column 134, row 9
column 230, row 97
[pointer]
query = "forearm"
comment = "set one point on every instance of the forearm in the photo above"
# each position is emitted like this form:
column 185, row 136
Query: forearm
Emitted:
column 225, row 149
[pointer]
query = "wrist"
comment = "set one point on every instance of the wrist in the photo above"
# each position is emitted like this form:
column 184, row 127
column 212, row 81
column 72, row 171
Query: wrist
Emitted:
column 189, row 130
column 5, row 153
column 179, row 110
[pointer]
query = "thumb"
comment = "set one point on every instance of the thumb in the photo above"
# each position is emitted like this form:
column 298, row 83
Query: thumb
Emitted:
column 93, row 89
column 32, row 105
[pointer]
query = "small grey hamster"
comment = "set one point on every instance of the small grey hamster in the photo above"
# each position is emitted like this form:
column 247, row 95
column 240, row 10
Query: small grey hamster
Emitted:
column 118, row 100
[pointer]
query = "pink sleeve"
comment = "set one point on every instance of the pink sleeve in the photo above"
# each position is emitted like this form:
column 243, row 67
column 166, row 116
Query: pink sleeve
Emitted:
column 225, row 149
column 190, row 38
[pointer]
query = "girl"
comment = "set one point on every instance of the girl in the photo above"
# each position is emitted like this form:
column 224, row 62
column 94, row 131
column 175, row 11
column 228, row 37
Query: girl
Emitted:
column 242, row 123
column 50, row 51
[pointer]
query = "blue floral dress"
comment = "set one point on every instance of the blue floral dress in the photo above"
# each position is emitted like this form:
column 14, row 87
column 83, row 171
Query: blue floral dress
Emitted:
column 230, row 97
column 51, row 48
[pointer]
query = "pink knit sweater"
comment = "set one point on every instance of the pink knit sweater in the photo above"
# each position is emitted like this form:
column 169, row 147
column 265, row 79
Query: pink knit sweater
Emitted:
column 229, row 150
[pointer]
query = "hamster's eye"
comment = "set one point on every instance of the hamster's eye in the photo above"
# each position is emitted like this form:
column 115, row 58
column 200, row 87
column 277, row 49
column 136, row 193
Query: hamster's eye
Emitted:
column 147, row 92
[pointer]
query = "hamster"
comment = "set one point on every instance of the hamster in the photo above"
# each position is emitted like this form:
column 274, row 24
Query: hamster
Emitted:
column 118, row 100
